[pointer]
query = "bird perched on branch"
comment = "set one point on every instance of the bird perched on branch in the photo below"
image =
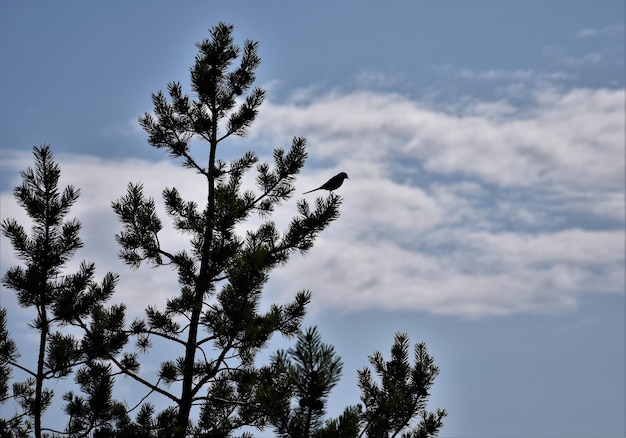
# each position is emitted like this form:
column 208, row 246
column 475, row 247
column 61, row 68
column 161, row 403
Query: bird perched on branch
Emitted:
column 332, row 184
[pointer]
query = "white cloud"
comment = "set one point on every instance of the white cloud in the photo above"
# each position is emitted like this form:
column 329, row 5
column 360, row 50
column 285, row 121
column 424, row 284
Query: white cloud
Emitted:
column 372, row 79
column 485, row 209
column 129, row 128
column 614, row 30
column 563, row 136
column 581, row 61
column 577, row 61
column 448, row 269
column 463, row 245
column 508, row 75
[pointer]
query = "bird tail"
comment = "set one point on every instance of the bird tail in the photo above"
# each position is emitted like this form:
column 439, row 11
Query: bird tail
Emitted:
column 310, row 191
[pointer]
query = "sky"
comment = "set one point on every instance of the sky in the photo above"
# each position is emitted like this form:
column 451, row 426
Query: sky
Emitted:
column 484, row 214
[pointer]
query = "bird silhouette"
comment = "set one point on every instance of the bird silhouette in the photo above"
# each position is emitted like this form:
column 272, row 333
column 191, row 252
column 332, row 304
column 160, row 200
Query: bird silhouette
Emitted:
column 332, row 184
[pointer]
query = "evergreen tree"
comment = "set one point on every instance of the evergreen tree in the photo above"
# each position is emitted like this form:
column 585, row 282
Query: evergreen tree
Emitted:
column 401, row 395
column 213, row 322
column 8, row 355
column 297, row 384
column 58, row 300
column 214, row 318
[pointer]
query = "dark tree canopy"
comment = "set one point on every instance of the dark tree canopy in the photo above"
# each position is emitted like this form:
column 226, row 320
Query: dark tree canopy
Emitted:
column 401, row 393
column 213, row 324
column 214, row 318
column 58, row 300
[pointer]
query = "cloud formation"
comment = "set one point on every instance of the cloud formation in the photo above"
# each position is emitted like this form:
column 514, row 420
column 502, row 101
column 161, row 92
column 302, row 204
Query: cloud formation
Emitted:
column 613, row 30
column 487, row 208
column 482, row 209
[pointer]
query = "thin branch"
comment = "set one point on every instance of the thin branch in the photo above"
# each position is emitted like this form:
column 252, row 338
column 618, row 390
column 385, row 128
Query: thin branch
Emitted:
column 50, row 373
column 143, row 399
column 364, row 429
column 125, row 371
column 267, row 192
column 225, row 136
column 225, row 277
column 195, row 165
column 223, row 400
column 203, row 353
column 164, row 336
column 214, row 372
column 161, row 251
column 143, row 381
column 205, row 340
column 26, row 370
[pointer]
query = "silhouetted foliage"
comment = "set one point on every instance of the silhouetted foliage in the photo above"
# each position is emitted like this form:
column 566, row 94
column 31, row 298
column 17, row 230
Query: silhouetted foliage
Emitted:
column 296, row 385
column 294, row 389
column 8, row 356
column 58, row 299
column 212, row 323
column 215, row 316
column 402, row 393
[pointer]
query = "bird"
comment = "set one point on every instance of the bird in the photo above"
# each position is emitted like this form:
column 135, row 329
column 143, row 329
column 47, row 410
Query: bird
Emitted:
column 332, row 184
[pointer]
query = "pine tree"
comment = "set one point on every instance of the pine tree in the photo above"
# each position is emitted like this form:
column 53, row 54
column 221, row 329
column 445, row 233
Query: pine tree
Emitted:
column 8, row 355
column 58, row 299
column 402, row 394
column 214, row 317
column 297, row 384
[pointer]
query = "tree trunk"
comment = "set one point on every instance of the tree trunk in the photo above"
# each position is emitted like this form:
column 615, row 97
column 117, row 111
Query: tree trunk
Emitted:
column 184, row 406
column 43, row 337
column 202, row 282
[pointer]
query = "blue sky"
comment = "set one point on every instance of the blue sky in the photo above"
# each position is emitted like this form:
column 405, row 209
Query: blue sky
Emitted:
column 484, row 213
